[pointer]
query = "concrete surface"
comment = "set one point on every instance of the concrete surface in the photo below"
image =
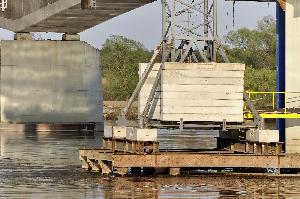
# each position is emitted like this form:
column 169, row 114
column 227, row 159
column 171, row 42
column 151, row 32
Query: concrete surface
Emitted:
column 120, row 132
column 50, row 82
column 142, row 135
column 264, row 136
column 65, row 16
column 108, row 131
column 292, row 72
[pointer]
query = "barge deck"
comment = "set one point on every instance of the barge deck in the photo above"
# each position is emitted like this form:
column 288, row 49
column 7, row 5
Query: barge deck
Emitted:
column 107, row 162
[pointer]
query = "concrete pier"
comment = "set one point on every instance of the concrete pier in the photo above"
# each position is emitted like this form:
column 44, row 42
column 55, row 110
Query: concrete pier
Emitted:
column 50, row 82
column 292, row 73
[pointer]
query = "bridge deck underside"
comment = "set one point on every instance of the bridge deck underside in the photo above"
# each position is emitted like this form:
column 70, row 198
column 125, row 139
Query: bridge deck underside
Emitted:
column 75, row 19
column 65, row 16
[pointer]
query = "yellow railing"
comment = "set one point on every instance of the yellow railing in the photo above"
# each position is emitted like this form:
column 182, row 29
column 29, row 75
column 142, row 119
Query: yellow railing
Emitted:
column 275, row 113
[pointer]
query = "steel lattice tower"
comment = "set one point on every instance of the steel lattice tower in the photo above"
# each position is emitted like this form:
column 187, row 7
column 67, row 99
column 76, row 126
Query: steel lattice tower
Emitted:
column 190, row 29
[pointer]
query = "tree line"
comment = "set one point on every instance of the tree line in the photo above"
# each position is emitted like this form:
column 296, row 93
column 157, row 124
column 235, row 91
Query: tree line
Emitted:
column 256, row 48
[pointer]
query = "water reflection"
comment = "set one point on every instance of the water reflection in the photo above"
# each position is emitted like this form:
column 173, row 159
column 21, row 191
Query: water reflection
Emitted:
column 46, row 165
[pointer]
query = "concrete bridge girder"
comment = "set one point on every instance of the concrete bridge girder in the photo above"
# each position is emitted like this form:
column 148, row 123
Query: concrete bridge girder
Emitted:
column 65, row 16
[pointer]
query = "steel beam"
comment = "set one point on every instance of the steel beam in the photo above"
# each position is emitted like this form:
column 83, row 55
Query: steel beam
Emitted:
column 191, row 29
column 194, row 160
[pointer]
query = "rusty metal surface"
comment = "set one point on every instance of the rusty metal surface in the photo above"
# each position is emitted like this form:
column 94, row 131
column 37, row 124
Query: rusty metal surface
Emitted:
column 198, row 160
column 243, row 146
column 90, row 158
column 130, row 146
column 96, row 154
column 290, row 161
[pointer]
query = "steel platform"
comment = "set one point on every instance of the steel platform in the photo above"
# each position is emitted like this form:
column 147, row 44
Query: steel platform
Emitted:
column 107, row 162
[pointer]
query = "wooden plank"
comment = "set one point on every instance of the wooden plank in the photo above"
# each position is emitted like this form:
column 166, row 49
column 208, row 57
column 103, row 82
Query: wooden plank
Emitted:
column 143, row 66
column 201, row 95
column 144, row 98
column 202, row 103
column 145, row 91
column 199, row 92
column 205, row 66
column 197, row 103
column 198, row 66
column 154, row 109
column 202, row 117
column 202, row 81
column 194, row 95
column 154, row 112
column 202, row 110
column 199, row 73
column 203, row 88
column 150, row 80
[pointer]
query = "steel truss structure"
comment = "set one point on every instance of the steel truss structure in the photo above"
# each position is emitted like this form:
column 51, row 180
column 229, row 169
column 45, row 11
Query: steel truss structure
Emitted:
column 190, row 29
column 189, row 34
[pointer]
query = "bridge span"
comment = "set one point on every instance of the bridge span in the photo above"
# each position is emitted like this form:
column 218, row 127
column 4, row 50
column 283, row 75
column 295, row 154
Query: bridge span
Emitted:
column 63, row 16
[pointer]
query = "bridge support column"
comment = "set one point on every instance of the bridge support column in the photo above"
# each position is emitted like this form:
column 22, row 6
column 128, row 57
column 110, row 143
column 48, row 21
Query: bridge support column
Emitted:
column 50, row 82
column 280, row 87
column 292, row 71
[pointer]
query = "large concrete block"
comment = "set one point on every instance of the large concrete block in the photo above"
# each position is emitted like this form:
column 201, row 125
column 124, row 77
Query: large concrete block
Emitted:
column 50, row 82
column 196, row 92
column 120, row 132
column 143, row 135
column 265, row 136
column 108, row 131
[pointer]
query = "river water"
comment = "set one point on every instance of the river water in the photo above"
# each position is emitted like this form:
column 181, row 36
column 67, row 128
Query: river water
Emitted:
column 46, row 165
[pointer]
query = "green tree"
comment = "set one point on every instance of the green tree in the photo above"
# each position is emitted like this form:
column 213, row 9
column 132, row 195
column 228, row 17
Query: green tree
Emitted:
column 260, row 79
column 256, row 48
column 120, row 57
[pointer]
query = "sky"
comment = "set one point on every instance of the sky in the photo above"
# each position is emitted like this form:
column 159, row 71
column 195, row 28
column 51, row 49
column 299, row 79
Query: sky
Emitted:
column 144, row 24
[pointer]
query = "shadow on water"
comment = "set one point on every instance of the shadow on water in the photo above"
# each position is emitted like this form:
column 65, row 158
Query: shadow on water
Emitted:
column 30, row 131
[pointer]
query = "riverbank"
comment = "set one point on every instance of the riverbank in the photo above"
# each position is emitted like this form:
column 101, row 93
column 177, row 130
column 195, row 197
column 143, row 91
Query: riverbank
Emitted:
column 112, row 109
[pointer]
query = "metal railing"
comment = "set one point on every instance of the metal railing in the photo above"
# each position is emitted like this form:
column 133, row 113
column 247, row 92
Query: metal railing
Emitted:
column 270, row 99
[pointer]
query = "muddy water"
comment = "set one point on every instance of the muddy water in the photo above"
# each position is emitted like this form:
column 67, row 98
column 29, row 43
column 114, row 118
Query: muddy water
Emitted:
column 46, row 165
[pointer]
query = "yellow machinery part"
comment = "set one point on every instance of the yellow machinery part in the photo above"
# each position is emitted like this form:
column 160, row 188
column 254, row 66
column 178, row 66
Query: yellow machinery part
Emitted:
column 274, row 115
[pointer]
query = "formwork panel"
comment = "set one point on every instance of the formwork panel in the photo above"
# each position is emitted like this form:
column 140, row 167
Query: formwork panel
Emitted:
column 196, row 92
column 215, row 81
column 145, row 91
